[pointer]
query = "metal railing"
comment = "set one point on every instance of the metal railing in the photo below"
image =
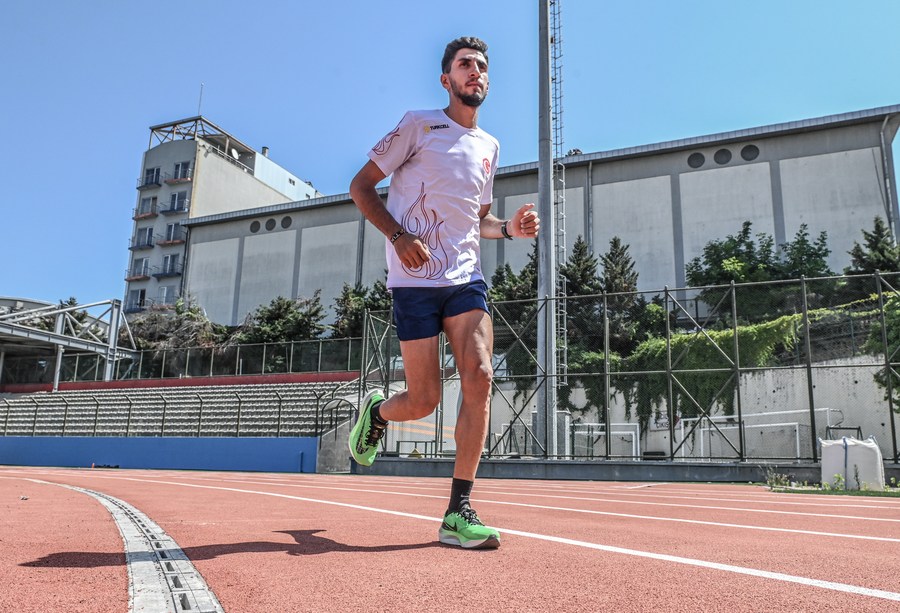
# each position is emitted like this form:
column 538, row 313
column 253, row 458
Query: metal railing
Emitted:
column 185, row 174
column 168, row 271
column 176, row 208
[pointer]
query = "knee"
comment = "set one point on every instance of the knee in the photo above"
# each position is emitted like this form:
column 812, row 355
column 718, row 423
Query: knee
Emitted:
column 422, row 403
column 478, row 377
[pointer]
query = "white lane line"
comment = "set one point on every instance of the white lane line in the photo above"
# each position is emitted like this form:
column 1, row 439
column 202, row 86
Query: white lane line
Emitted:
column 161, row 578
column 763, row 574
column 637, row 487
column 502, row 492
column 545, row 507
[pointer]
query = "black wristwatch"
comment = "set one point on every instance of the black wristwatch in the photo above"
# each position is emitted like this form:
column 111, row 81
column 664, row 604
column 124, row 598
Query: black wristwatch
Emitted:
column 505, row 232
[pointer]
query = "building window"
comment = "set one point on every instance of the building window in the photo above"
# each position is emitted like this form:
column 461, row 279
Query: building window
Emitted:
column 291, row 181
column 148, row 206
column 182, row 170
column 173, row 232
column 151, row 176
column 166, row 295
column 140, row 267
column 144, row 237
column 750, row 152
column 178, row 201
column 136, row 299
column 696, row 160
column 170, row 264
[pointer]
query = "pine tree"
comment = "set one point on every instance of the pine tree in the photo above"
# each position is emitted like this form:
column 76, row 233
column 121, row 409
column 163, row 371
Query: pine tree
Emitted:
column 624, row 305
column 619, row 274
column 349, row 310
column 351, row 306
column 881, row 253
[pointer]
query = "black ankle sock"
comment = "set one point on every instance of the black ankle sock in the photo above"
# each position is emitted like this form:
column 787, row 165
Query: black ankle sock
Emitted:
column 460, row 490
column 376, row 415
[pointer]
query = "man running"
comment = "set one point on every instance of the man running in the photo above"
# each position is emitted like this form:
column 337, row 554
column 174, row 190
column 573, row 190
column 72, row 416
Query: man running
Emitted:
column 438, row 207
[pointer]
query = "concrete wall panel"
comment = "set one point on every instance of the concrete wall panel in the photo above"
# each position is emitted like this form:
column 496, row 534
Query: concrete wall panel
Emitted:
column 715, row 203
column 266, row 272
column 328, row 259
column 640, row 213
column 212, row 274
column 833, row 192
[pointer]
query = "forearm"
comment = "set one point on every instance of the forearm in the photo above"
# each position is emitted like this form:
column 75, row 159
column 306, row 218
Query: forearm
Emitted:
column 367, row 200
column 374, row 210
column 490, row 227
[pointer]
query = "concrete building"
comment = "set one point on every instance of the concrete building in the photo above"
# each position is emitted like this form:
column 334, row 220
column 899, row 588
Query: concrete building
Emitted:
column 665, row 200
column 192, row 168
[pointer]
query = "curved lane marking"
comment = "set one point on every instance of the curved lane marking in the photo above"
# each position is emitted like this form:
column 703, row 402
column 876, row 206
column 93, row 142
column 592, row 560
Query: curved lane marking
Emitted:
column 161, row 578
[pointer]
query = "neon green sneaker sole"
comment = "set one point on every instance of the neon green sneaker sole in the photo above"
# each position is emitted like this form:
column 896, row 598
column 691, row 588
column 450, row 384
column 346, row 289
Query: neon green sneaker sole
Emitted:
column 464, row 529
column 360, row 449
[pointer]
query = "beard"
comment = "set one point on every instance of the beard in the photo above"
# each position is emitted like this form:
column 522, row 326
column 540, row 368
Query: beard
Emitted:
column 473, row 100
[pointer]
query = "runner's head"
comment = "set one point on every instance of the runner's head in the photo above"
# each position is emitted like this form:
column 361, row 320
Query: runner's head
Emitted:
column 464, row 70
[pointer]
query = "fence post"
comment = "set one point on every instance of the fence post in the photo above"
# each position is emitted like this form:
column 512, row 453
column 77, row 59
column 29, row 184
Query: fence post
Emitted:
column 888, row 371
column 240, row 409
column 6, row 421
column 280, row 404
column 607, row 383
column 162, row 426
column 670, row 396
column 200, row 417
column 96, row 413
column 65, row 414
column 34, row 420
column 809, row 371
column 737, row 373
column 130, row 411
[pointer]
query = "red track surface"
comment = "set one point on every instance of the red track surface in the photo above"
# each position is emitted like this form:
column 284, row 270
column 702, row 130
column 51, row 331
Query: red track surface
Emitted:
column 273, row 542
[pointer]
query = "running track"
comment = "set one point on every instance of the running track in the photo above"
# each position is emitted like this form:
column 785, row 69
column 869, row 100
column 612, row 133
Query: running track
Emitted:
column 291, row 542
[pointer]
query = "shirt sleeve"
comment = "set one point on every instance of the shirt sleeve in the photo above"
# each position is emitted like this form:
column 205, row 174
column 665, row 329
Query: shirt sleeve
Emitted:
column 487, row 196
column 396, row 147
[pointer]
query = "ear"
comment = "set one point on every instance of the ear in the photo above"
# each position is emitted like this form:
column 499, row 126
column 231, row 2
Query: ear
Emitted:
column 445, row 81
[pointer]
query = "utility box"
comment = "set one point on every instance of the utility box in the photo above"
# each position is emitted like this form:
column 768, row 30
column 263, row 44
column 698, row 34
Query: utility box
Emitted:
column 858, row 463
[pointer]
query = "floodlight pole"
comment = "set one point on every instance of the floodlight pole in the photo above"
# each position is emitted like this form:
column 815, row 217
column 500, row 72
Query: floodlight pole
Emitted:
column 546, row 341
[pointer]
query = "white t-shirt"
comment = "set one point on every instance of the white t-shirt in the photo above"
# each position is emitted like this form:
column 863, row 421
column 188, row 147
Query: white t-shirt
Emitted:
column 442, row 174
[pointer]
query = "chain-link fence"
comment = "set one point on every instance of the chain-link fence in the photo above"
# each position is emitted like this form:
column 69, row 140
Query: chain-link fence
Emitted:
column 756, row 371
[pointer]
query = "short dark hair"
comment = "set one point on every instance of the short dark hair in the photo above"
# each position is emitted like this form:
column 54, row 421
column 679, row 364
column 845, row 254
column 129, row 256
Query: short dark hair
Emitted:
column 463, row 42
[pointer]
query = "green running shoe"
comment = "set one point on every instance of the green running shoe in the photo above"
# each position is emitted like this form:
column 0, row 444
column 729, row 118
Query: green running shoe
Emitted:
column 365, row 434
column 463, row 528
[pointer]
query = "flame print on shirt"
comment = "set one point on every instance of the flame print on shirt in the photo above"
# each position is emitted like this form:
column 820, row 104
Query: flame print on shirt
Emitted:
column 385, row 143
column 423, row 222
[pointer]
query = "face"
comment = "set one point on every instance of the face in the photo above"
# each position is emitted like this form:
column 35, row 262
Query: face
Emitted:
column 468, row 77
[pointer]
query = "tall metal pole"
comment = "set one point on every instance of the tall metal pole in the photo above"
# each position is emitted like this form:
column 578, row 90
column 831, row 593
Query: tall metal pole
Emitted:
column 546, row 341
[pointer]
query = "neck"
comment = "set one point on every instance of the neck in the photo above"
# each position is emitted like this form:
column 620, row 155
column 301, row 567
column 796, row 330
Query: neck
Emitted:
column 463, row 114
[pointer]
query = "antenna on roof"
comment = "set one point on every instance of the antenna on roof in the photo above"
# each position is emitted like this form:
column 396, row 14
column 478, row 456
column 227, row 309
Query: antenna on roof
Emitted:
column 200, row 102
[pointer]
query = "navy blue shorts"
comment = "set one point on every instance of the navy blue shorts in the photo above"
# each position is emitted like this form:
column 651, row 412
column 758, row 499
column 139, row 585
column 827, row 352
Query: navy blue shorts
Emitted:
column 419, row 312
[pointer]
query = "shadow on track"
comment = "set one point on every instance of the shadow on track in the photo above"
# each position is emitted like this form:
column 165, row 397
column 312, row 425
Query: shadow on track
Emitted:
column 306, row 542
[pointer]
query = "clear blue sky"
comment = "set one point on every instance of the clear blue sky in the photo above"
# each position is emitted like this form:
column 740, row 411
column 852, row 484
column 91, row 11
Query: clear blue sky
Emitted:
column 320, row 82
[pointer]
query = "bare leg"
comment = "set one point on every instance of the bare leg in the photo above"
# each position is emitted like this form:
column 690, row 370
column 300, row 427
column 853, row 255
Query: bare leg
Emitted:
column 423, row 382
column 471, row 337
